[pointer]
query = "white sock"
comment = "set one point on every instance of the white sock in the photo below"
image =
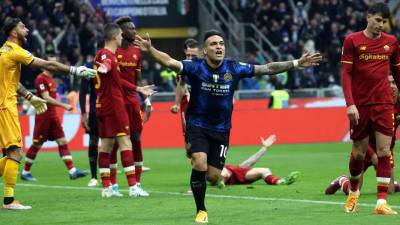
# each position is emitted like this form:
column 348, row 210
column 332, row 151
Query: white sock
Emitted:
column 72, row 170
column 381, row 201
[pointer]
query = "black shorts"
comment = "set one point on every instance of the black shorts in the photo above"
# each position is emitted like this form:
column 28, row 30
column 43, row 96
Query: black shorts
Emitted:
column 94, row 130
column 214, row 144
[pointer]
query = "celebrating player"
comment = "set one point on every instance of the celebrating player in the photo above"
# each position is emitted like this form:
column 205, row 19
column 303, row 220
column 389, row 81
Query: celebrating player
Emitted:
column 245, row 174
column 112, row 118
column 367, row 57
column 12, row 55
column 48, row 127
column 213, row 80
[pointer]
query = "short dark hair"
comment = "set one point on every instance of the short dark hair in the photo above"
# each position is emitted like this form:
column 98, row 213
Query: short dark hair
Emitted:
column 10, row 24
column 110, row 30
column 379, row 8
column 190, row 43
column 122, row 20
column 210, row 33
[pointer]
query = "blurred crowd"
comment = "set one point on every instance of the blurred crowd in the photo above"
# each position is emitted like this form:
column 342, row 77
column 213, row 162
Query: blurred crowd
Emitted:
column 296, row 26
column 72, row 30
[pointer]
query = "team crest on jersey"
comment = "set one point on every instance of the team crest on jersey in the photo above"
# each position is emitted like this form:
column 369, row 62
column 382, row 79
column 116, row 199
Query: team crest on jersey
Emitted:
column 363, row 48
column 386, row 48
column 134, row 56
column 103, row 57
column 228, row 77
column 119, row 56
column 215, row 77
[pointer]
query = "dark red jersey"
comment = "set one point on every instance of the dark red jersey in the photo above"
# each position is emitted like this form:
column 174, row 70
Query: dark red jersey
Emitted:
column 365, row 68
column 130, row 61
column 108, row 86
column 45, row 83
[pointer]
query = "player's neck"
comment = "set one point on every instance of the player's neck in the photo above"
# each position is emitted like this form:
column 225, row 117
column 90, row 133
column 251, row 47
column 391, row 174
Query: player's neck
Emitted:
column 14, row 40
column 111, row 47
column 126, row 43
column 213, row 64
column 371, row 35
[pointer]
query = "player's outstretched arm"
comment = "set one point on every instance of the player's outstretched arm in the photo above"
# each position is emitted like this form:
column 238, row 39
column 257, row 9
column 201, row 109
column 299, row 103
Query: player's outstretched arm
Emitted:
column 80, row 71
column 38, row 103
column 306, row 60
column 54, row 102
column 163, row 58
column 266, row 143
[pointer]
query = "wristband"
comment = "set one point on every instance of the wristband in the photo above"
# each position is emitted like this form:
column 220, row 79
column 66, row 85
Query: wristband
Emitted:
column 295, row 63
column 73, row 70
column 147, row 101
column 28, row 96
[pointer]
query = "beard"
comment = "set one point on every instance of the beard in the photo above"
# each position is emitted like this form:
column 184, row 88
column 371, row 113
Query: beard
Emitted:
column 22, row 39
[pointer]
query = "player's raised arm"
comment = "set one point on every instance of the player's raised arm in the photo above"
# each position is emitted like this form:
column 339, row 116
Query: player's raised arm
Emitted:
column 80, row 71
column 306, row 60
column 163, row 58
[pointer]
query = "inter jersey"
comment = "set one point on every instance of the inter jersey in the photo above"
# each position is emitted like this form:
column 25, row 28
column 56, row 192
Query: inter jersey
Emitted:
column 211, row 92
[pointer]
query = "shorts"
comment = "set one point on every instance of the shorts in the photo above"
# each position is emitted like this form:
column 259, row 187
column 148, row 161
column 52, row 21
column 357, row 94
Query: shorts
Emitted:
column 373, row 118
column 214, row 144
column 135, row 117
column 113, row 125
column 92, row 120
column 47, row 128
column 238, row 175
column 10, row 128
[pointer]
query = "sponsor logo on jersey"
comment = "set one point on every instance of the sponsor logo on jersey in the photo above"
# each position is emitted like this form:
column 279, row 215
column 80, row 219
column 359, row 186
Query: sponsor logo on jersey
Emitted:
column 367, row 57
column 386, row 48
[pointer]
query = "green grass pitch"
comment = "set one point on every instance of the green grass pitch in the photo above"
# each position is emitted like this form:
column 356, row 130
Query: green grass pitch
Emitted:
column 57, row 200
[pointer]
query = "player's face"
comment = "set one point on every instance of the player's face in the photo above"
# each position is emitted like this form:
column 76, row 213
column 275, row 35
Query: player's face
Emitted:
column 191, row 53
column 375, row 23
column 129, row 31
column 215, row 48
column 118, row 38
column 21, row 32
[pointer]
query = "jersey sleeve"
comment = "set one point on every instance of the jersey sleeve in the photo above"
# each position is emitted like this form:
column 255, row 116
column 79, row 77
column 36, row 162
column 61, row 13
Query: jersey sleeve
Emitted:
column 395, row 64
column 244, row 69
column 41, row 86
column 347, row 51
column 188, row 67
column 22, row 56
column 347, row 70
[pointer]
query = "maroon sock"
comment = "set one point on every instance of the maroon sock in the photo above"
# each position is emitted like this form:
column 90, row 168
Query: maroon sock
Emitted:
column 396, row 187
column 66, row 156
column 383, row 174
column 30, row 157
column 128, row 164
column 113, row 164
column 356, row 167
column 138, row 156
column 271, row 179
column 104, row 168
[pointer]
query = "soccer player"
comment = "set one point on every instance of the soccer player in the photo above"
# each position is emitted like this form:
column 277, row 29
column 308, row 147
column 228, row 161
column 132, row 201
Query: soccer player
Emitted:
column 182, row 96
column 371, row 158
column 130, row 59
column 89, row 123
column 367, row 57
column 48, row 127
column 245, row 174
column 112, row 118
column 208, row 118
column 12, row 55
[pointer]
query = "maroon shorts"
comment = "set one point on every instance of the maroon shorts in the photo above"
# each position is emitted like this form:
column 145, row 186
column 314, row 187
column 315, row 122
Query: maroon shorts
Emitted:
column 238, row 175
column 135, row 117
column 373, row 118
column 47, row 128
column 113, row 125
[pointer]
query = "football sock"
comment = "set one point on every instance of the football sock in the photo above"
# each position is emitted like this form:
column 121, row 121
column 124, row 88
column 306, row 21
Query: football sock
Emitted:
column 198, row 185
column 10, row 177
column 383, row 174
column 356, row 167
column 344, row 184
column 396, row 187
column 2, row 165
column 30, row 157
column 129, row 169
column 138, row 156
column 104, row 168
column 66, row 157
column 272, row 179
column 113, row 164
column 93, row 160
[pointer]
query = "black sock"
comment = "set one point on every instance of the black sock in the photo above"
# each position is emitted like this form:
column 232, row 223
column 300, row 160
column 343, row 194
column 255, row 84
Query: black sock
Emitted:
column 8, row 200
column 199, row 186
column 93, row 160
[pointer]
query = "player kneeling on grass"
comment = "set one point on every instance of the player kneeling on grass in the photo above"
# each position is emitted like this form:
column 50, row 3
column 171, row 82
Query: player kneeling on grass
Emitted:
column 245, row 174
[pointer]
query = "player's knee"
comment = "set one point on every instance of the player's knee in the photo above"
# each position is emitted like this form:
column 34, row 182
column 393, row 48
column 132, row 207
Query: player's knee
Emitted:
column 199, row 161
column 383, row 151
column 15, row 153
column 61, row 141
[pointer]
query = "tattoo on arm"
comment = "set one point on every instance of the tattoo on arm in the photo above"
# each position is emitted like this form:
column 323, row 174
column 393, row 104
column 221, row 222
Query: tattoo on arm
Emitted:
column 23, row 92
column 273, row 68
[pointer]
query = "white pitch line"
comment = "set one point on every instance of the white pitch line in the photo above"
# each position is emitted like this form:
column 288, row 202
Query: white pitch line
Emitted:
column 254, row 198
